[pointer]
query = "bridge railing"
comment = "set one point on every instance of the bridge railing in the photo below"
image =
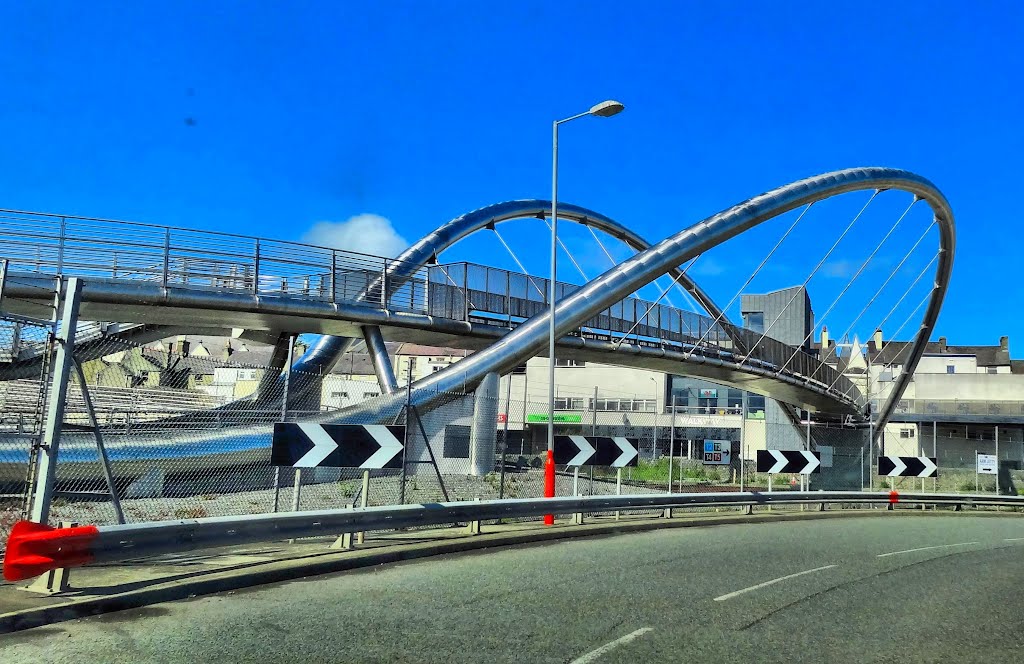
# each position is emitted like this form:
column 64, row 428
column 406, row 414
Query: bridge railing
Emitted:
column 180, row 257
column 465, row 290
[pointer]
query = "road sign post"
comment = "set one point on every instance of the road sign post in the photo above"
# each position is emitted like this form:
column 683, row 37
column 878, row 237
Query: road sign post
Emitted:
column 364, row 499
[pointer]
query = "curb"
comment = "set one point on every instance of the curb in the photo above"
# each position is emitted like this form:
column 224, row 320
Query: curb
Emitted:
column 326, row 563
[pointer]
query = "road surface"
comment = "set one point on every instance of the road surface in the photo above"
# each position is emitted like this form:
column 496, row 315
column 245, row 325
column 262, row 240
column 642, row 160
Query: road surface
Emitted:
column 894, row 588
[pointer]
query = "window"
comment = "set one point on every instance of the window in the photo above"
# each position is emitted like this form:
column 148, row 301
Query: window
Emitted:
column 339, row 395
column 569, row 363
column 993, row 370
column 370, row 395
column 735, row 400
column 624, row 405
column 435, row 369
column 754, row 321
column 906, row 433
column 950, row 369
column 569, row 403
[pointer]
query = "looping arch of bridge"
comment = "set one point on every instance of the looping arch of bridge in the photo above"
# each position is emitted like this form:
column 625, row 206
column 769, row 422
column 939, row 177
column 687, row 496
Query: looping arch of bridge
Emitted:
column 737, row 357
column 810, row 385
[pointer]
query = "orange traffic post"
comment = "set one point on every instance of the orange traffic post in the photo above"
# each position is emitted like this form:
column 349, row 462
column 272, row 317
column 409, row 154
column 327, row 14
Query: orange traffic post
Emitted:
column 549, row 484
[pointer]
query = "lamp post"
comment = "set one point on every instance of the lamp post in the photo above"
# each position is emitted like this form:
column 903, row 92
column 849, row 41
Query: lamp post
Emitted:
column 604, row 109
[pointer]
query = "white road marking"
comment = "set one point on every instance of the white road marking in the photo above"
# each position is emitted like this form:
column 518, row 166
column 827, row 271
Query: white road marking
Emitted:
column 594, row 654
column 773, row 581
column 1014, row 539
column 925, row 548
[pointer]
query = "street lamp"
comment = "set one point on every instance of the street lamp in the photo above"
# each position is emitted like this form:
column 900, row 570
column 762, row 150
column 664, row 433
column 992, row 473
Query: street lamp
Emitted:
column 604, row 110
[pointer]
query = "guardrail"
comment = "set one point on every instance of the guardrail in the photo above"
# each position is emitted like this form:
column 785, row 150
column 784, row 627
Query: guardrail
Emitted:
column 35, row 549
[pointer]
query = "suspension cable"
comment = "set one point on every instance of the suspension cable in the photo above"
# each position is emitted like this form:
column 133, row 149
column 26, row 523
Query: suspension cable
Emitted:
column 900, row 328
column 860, row 270
column 690, row 301
column 907, row 292
column 886, row 283
column 521, row 266
column 809, row 277
column 569, row 254
column 721, row 314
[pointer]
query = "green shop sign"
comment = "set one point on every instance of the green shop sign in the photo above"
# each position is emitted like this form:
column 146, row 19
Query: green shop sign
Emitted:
column 564, row 419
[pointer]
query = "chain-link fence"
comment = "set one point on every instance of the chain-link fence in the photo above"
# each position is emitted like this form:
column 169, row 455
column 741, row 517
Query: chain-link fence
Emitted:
column 187, row 423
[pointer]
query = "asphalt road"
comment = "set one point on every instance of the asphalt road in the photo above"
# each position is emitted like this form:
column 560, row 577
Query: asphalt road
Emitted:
column 896, row 588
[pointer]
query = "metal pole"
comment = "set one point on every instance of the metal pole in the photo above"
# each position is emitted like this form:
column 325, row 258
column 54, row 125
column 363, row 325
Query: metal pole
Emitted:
column 46, row 452
column 672, row 441
column 108, row 476
column 405, row 436
column 504, row 438
column 618, row 488
column 284, row 415
column 654, row 441
column 805, row 479
column 743, row 425
column 935, row 453
column 997, row 459
column 976, row 487
column 861, row 468
column 593, row 432
column 871, row 449
column 549, row 463
column 522, row 442
column 364, row 499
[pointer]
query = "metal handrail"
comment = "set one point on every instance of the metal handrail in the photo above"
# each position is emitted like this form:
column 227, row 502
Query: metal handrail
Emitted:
column 34, row 549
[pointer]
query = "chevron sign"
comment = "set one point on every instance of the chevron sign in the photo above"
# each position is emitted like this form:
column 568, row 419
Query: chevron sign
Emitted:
column 897, row 466
column 366, row 446
column 788, row 461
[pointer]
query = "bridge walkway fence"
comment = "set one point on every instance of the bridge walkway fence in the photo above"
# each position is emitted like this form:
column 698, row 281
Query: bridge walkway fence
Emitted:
column 482, row 294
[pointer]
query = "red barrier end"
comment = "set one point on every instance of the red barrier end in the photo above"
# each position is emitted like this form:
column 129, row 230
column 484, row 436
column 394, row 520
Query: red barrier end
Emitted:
column 894, row 497
column 549, row 485
column 35, row 548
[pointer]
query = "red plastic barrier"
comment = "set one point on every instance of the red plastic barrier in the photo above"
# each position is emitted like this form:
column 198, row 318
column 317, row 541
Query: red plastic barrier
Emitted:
column 894, row 497
column 549, row 485
column 34, row 548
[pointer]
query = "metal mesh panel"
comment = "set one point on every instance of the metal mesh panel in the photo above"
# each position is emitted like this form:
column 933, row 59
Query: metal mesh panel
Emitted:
column 22, row 406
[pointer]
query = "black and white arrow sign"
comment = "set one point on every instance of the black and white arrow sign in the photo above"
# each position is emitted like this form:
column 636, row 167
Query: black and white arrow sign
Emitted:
column 788, row 461
column 617, row 452
column 366, row 446
column 897, row 466
column 573, row 450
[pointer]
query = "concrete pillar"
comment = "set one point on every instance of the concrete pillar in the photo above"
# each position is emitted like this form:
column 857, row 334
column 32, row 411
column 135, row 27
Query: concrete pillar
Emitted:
column 483, row 436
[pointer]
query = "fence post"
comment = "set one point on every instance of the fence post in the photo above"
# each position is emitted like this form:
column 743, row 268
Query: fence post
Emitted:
column 465, row 291
column 46, row 451
column 384, row 285
column 256, row 270
column 60, row 246
column 334, row 273
column 167, row 257
column 284, row 416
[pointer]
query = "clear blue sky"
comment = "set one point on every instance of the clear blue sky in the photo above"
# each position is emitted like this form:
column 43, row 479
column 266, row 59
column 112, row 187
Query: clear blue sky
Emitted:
column 265, row 118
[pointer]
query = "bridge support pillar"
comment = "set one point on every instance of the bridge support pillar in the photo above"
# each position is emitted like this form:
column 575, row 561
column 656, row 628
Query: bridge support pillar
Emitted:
column 379, row 357
column 484, row 435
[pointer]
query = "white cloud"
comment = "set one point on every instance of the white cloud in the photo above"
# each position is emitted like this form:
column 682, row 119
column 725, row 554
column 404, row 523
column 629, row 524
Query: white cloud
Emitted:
column 839, row 269
column 706, row 266
column 366, row 233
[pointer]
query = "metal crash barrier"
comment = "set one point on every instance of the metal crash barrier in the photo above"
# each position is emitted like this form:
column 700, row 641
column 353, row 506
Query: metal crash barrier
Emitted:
column 35, row 549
